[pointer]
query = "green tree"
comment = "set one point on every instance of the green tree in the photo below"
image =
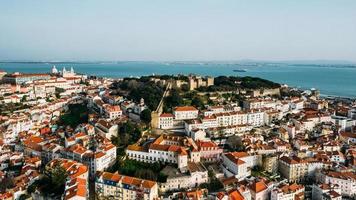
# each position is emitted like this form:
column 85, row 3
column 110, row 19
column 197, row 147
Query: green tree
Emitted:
column 185, row 87
column 129, row 133
column 52, row 182
column 135, row 136
column 24, row 98
column 174, row 99
column 58, row 91
column 57, row 176
column 78, row 113
column 145, row 174
column 149, row 91
column 150, row 171
column 115, row 140
column 146, row 116
column 5, row 183
column 235, row 142
column 127, row 127
column 198, row 102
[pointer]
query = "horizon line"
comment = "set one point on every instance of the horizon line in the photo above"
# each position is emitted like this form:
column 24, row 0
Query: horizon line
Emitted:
column 238, row 60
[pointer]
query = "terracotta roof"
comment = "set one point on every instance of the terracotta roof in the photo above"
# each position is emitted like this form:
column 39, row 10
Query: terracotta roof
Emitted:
column 148, row 184
column 116, row 177
column 135, row 147
column 166, row 115
column 194, row 195
column 235, row 195
column 292, row 160
column 79, row 189
column 206, row 144
column 127, row 180
column 348, row 135
column 99, row 154
column 234, row 159
column 26, row 75
column 185, row 108
column 291, row 188
column 258, row 186
column 342, row 175
column 240, row 154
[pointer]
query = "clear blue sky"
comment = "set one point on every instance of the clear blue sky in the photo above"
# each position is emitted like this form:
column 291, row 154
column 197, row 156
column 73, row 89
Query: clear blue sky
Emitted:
column 178, row 30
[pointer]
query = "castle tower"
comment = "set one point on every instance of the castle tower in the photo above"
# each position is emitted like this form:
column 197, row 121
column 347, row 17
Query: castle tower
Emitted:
column 210, row 81
column 192, row 83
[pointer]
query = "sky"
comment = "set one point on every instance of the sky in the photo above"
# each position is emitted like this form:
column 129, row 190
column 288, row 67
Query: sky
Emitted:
column 174, row 30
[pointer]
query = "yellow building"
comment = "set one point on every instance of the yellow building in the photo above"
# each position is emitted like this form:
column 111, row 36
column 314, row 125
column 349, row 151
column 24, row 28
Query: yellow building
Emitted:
column 116, row 186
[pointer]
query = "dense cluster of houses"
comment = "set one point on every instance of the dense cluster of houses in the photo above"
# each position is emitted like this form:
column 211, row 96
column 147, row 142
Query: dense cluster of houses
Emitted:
column 278, row 148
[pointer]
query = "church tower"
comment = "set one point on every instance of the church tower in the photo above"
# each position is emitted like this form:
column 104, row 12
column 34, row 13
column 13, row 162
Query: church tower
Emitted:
column 54, row 70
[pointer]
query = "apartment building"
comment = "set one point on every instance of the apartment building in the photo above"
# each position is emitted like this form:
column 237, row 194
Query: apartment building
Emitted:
column 166, row 148
column 112, row 111
column 165, row 121
column 102, row 158
column 76, row 186
column 346, row 181
column 288, row 192
column 195, row 175
column 258, row 103
column 209, row 151
column 294, row 168
column 239, row 164
column 185, row 112
column 106, row 129
column 116, row 186
column 259, row 189
column 326, row 191
column 270, row 163
column 17, row 78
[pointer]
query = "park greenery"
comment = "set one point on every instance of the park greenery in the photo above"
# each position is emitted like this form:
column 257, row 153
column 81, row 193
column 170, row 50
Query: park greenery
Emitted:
column 145, row 116
column 214, row 184
column 129, row 133
column 6, row 183
column 137, row 88
column 233, row 83
column 58, row 92
column 151, row 92
column 76, row 114
column 172, row 100
column 51, row 183
column 149, row 171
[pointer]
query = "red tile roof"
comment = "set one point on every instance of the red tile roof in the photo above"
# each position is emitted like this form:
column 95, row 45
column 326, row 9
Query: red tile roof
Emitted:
column 258, row 186
column 185, row 108
column 166, row 115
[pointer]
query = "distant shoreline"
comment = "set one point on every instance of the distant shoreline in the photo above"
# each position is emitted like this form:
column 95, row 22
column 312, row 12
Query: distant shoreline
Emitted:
column 300, row 76
column 236, row 63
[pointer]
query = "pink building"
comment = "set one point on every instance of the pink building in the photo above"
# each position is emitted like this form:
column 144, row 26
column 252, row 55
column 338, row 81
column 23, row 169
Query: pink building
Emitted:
column 209, row 150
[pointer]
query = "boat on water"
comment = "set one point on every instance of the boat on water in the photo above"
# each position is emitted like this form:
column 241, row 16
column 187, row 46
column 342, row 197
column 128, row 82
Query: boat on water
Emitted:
column 239, row 70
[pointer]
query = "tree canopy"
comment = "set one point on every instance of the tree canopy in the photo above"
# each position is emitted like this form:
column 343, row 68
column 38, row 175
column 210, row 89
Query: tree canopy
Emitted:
column 78, row 113
column 150, row 92
column 231, row 83
column 150, row 171
column 52, row 183
column 129, row 133
column 174, row 99
column 146, row 116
